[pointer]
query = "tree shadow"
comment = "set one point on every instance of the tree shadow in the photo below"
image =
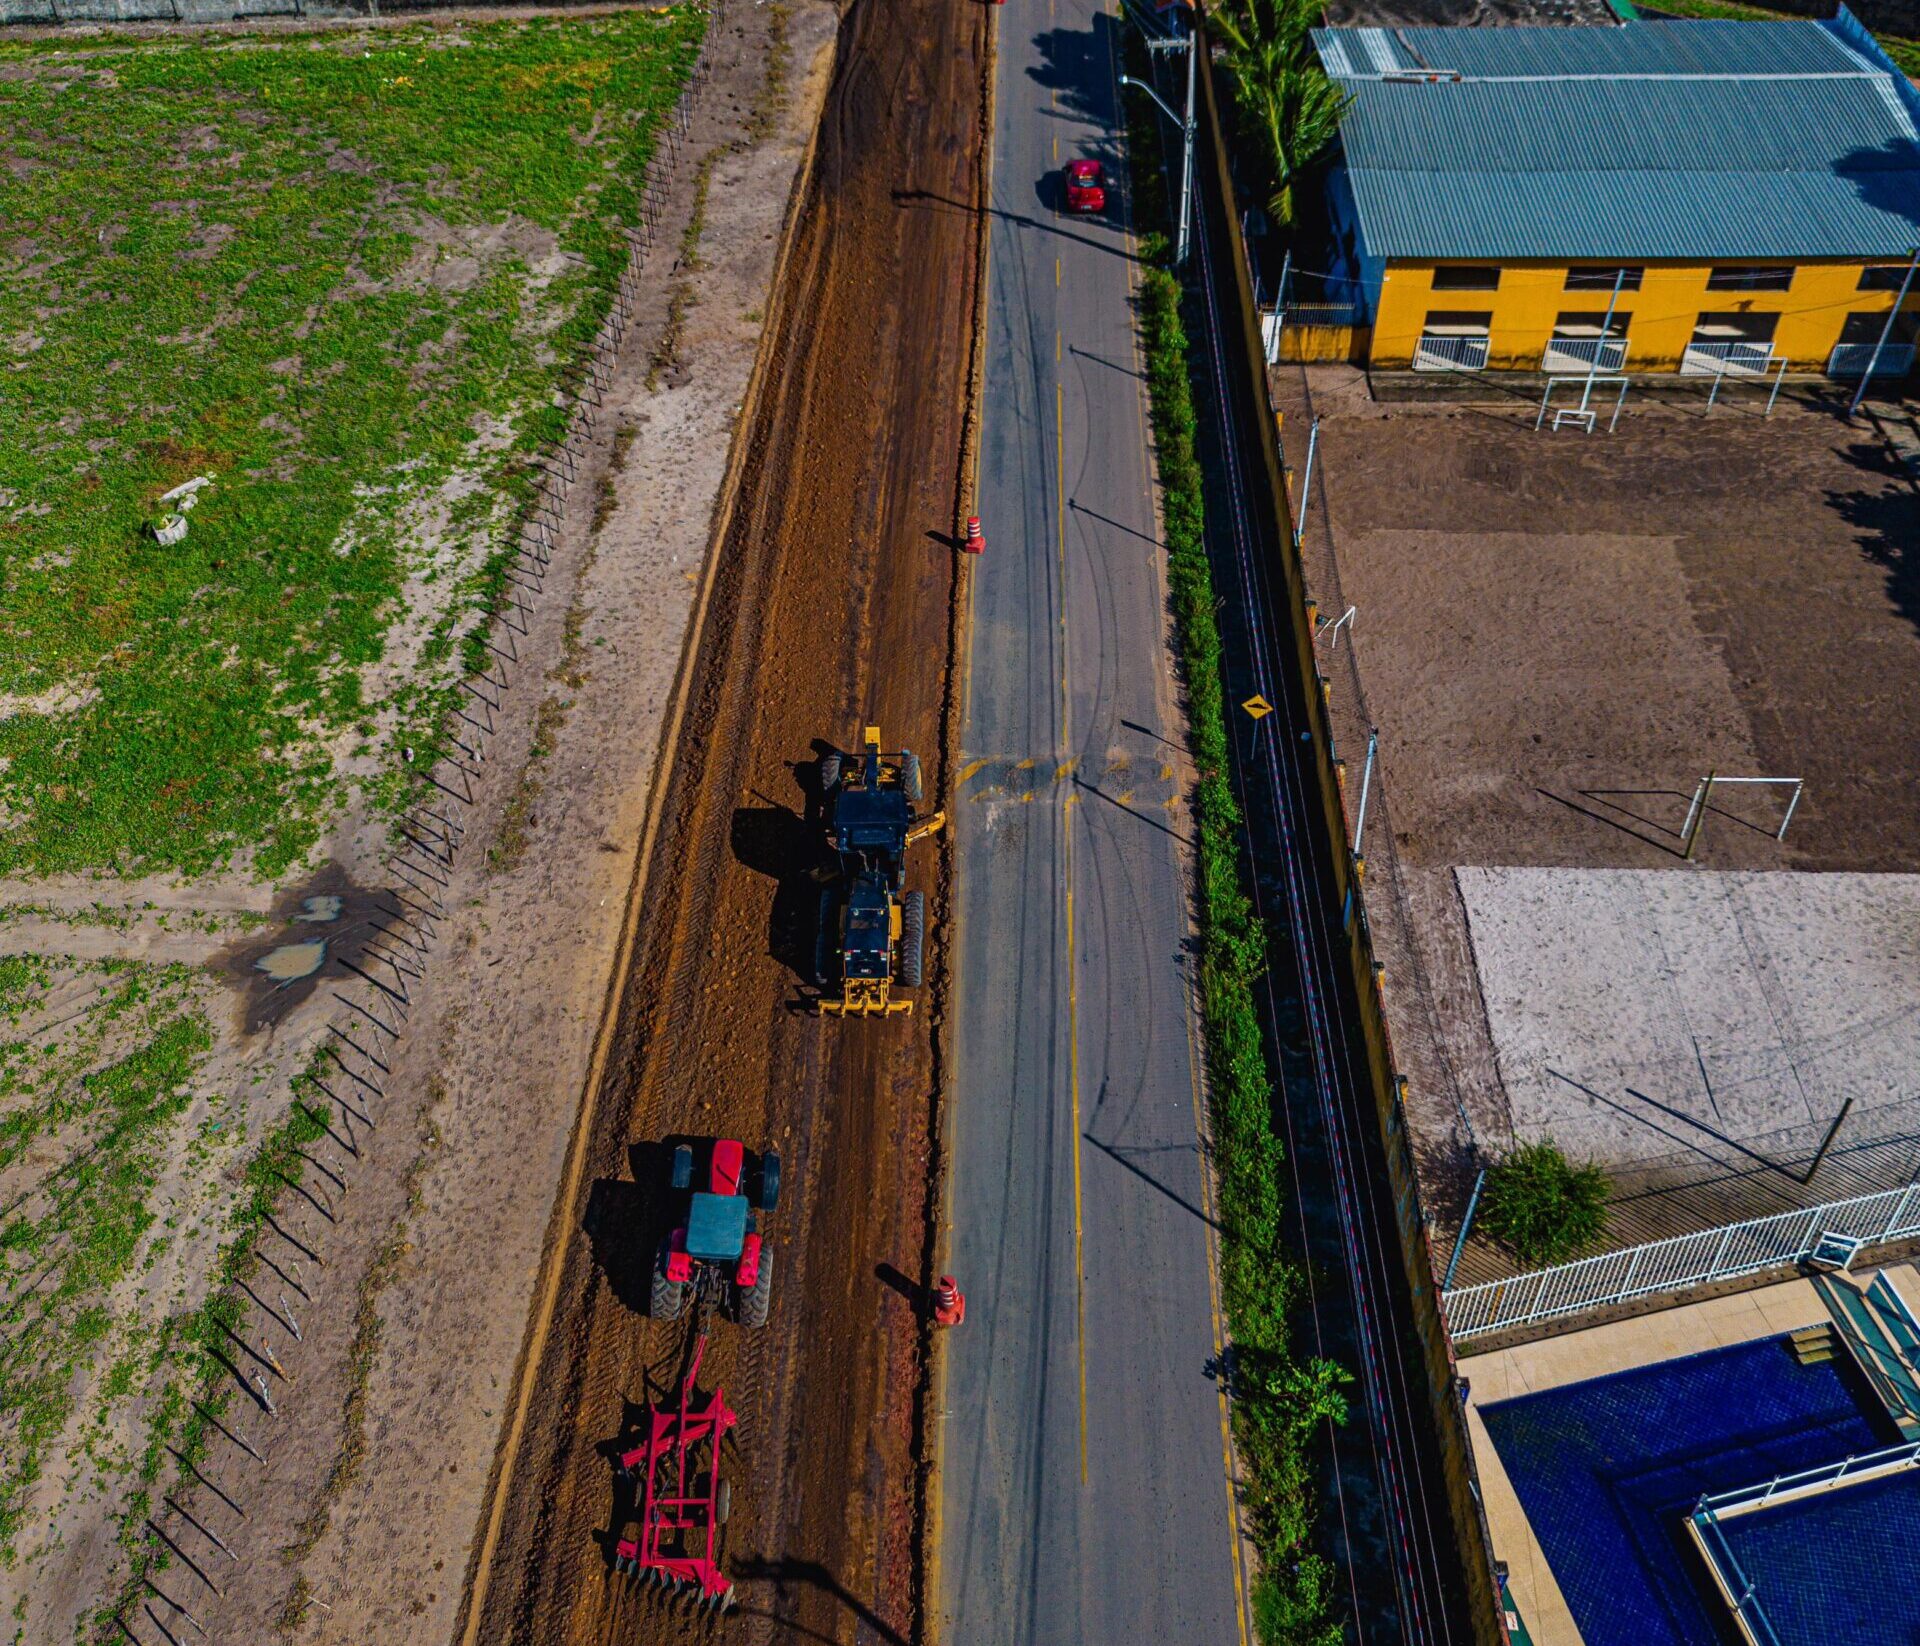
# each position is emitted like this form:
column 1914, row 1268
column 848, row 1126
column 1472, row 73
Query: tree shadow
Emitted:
column 1077, row 66
column 1886, row 523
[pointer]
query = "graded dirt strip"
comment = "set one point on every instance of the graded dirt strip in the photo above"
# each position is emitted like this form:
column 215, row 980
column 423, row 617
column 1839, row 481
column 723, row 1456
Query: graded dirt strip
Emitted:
column 830, row 608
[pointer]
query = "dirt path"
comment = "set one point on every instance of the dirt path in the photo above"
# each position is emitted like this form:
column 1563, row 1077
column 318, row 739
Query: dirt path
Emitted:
column 831, row 608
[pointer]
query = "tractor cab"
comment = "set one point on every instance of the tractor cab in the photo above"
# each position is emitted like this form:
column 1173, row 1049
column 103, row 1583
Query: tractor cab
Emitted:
column 717, row 1251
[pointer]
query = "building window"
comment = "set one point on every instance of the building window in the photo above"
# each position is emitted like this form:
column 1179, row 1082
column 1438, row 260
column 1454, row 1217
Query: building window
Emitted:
column 1601, row 277
column 1731, row 344
column 1459, row 322
column 1866, row 330
column 1577, row 344
column 1749, row 279
column 1453, row 340
column 1466, row 277
column 1887, row 277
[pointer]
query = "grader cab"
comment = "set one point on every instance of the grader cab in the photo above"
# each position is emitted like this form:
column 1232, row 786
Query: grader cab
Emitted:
column 875, row 929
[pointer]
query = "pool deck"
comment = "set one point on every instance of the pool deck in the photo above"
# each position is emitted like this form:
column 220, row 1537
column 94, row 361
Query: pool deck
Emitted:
column 1599, row 1351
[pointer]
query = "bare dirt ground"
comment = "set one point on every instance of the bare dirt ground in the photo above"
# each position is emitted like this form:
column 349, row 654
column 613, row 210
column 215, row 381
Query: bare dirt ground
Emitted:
column 1557, row 637
column 834, row 594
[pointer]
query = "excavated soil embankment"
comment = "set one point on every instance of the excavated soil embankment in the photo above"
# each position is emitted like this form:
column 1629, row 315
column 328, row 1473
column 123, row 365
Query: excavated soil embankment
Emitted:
column 830, row 608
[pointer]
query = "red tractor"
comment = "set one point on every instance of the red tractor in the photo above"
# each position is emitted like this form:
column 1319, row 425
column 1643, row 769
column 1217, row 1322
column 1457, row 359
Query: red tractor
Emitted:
column 1086, row 186
column 716, row 1252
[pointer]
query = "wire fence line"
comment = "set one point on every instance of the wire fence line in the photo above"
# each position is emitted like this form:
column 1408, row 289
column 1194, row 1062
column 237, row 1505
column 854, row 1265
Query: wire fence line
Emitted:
column 1681, row 1263
column 374, row 999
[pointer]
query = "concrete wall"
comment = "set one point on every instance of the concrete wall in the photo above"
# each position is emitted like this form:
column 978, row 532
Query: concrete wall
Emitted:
column 41, row 13
column 1660, row 316
column 44, row 12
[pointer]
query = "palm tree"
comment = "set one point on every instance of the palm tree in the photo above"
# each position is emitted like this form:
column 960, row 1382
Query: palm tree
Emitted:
column 1284, row 95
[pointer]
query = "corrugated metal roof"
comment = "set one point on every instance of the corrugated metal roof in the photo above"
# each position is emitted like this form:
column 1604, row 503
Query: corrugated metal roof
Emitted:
column 1689, row 48
column 1635, row 215
column 1708, row 140
column 1627, row 125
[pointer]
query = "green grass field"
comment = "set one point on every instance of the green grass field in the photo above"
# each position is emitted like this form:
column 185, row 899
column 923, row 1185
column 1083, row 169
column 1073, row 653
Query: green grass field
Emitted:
column 342, row 273
column 1905, row 53
column 345, row 274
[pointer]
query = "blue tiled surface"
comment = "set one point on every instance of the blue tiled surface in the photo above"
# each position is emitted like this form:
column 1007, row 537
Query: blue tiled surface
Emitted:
column 1607, row 1470
column 1838, row 1566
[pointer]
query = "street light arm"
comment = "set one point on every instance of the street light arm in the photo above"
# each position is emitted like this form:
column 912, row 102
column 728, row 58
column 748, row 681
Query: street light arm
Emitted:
column 1128, row 80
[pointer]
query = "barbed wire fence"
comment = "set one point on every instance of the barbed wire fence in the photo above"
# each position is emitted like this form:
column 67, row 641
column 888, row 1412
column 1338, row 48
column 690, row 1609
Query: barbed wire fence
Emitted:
column 360, row 1042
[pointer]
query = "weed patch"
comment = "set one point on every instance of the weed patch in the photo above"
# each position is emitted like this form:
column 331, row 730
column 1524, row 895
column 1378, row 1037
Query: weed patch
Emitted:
column 1281, row 1403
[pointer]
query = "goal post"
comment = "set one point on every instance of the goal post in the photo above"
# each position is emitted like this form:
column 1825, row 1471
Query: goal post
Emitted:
column 1585, row 415
column 1703, row 798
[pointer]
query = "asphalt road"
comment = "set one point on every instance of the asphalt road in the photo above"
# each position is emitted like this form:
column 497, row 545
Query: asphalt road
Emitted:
column 1084, row 1483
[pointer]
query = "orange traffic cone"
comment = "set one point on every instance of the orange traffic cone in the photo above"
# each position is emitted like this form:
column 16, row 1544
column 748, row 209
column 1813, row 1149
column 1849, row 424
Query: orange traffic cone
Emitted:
column 976, row 539
column 949, row 1302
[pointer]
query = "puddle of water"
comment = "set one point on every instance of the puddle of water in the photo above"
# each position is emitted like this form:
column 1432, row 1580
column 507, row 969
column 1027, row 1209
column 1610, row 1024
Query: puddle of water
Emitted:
column 280, row 968
column 293, row 961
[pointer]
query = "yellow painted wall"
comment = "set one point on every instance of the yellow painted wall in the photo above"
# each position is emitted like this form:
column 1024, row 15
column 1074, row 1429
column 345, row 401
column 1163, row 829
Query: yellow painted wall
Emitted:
column 1671, row 298
column 1306, row 345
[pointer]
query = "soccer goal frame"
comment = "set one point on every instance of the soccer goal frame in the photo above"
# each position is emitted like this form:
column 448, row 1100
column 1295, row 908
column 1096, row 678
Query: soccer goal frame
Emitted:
column 1769, row 377
column 1703, row 797
column 1582, row 416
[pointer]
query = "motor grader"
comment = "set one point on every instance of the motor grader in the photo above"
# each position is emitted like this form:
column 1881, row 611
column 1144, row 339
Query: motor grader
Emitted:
column 875, row 927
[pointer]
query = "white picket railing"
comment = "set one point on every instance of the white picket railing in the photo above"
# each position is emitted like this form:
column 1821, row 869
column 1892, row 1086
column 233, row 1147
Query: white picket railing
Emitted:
column 1678, row 1264
column 1854, row 359
column 1568, row 355
column 1438, row 353
column 1727, row 360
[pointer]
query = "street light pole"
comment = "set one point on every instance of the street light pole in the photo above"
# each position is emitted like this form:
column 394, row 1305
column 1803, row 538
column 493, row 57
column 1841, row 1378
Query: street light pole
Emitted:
column 1186, row 126
column 1186, row 170
column 1886, row 331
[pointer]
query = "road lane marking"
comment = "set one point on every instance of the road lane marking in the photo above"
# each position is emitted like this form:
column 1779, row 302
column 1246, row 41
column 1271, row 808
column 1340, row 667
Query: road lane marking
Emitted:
column 1066, row 860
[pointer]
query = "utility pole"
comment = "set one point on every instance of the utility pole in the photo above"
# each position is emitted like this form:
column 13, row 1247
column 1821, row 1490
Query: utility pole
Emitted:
column 1893, row 314
column 1186, row 125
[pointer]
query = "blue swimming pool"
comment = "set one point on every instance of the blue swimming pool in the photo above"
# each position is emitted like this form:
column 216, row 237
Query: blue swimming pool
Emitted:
column 1608, row 1469
column 1836, row 1566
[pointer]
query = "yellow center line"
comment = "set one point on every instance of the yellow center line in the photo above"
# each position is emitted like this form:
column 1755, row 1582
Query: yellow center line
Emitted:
column 1066, row 859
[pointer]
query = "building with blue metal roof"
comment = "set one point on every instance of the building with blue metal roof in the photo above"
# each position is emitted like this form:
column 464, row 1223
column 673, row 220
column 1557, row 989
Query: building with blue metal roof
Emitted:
column 1694, row 196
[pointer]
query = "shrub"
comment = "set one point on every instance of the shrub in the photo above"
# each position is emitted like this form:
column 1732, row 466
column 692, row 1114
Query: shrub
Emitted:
column 1542, row 1206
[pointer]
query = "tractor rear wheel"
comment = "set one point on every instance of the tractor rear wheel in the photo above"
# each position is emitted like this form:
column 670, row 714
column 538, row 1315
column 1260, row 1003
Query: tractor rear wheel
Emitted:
column 769, row 1181
column 756, row 1300
column 829, row 773
column 910, row 776
column 913, row 939
column 668, row 1295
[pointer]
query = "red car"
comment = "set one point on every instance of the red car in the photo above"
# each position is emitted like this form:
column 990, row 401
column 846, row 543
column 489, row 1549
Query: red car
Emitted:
column 1086, row 186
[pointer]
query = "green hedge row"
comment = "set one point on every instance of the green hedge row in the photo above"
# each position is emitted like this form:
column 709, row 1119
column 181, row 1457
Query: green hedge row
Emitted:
column 1280, row 1402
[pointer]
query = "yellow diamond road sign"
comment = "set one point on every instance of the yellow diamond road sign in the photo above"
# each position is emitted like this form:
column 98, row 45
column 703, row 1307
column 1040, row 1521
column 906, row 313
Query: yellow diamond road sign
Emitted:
column 1257, row 706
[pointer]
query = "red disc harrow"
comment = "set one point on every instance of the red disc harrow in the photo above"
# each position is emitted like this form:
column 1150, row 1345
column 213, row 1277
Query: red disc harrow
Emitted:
column 682, row 1500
